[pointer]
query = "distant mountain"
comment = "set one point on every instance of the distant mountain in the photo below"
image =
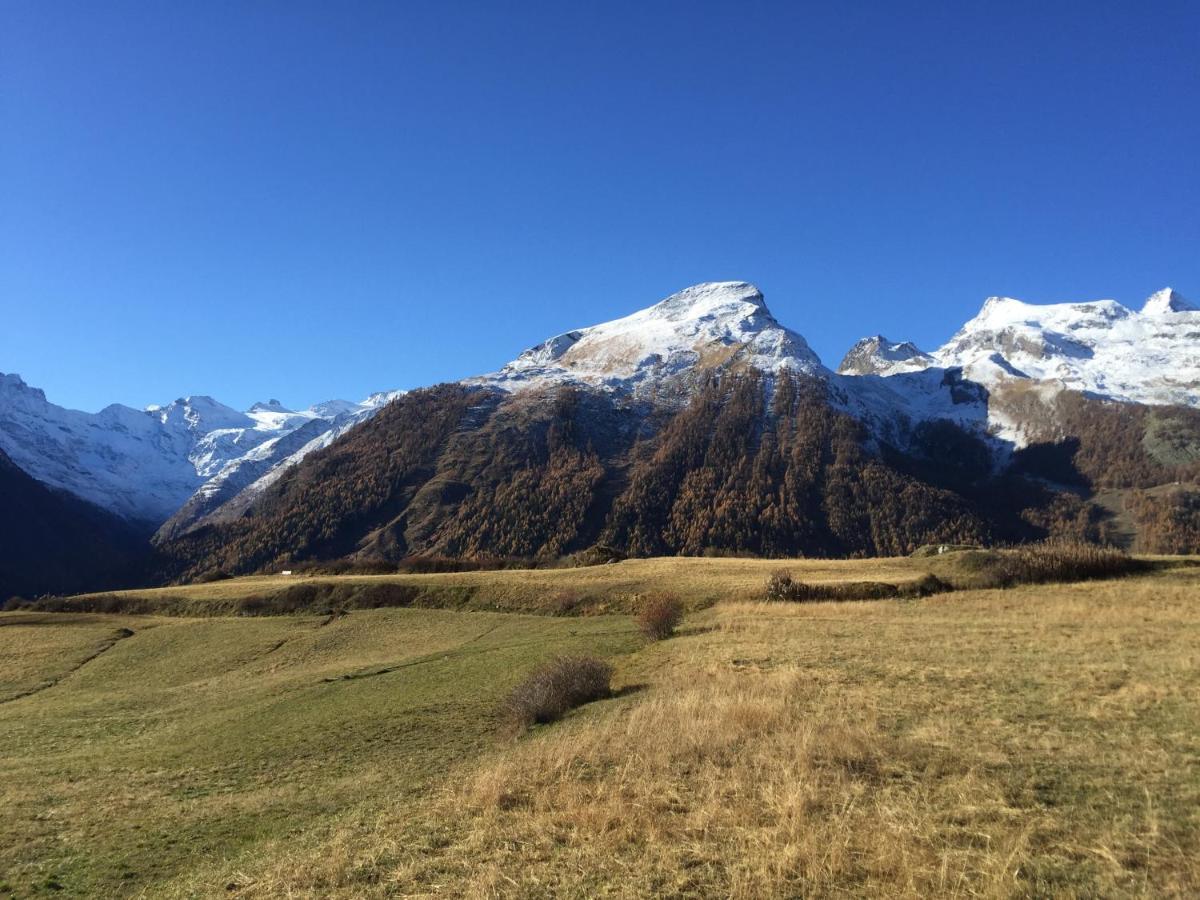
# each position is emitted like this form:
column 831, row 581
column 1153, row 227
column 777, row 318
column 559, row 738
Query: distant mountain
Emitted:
column 698, row 424
column 51, row 541
column 877, row 355
column 242, row 478
column 143, row 465
column 1099, row 347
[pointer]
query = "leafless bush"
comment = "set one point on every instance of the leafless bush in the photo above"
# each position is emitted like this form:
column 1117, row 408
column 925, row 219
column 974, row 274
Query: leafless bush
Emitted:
column 660, row 616
column 565, row 602
column 556, row 687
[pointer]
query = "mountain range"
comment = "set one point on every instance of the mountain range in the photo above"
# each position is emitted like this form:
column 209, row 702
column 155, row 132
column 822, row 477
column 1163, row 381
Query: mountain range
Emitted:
column 697, row 424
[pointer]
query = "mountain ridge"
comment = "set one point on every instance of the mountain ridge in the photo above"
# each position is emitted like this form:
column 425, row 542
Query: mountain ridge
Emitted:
column 196, row 461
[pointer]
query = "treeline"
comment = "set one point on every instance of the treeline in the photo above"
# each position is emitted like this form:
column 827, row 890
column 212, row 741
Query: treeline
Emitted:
column 1168, row 521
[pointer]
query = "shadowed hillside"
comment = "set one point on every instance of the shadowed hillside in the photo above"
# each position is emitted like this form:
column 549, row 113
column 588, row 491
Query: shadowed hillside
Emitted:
column 52, row 541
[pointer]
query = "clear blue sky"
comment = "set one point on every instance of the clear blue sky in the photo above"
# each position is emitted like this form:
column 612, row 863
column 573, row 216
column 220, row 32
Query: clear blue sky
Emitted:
column 305, row 201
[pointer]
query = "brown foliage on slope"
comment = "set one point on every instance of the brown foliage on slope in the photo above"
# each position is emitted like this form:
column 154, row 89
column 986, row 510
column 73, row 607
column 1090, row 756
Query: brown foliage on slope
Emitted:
column 324, row 506
column 728, row 475
column 1107, row 444
column 752, row 465
column 1168, row 521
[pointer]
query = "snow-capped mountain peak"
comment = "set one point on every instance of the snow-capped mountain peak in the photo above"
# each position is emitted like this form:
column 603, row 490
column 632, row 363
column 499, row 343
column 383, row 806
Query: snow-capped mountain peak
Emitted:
column 332, row 408
column 702, row 327
column 199, row 414
column 877, row 355
column 14, row 390
column 271, row 405
column 1002, row 313
column 1167, row 301
column 1100, row 347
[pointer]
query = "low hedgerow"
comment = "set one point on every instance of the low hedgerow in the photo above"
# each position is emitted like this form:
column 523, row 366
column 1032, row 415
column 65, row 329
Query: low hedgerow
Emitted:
column 1045, row 563
column 660, row 616
column 925, row 586
column 556, row 687
column 781, row 586
column 211, row 575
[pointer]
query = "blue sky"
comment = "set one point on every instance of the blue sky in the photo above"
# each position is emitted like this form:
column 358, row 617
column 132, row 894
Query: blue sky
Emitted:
column 307, row 201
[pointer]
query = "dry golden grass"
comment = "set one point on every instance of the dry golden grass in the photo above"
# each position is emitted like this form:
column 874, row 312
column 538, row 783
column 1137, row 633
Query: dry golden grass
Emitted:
column 1042, row 741
column 699, row 581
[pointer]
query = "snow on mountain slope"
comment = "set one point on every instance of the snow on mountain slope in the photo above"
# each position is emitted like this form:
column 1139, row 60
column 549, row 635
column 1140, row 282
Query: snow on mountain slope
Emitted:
column 659, row 352
column 703, row 327
column 1099, row 347
column 195, row 459
column 874, row 354
column 121, row 459
column 242, row 479
column 145, row 464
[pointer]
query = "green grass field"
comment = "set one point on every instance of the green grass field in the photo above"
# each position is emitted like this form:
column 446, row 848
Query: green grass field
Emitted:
column 192, row 740
column 1031, row 742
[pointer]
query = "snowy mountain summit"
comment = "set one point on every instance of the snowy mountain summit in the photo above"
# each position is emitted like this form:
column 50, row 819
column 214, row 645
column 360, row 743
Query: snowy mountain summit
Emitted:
column 703, row 327
column 1100, row 347
column 1167, row 301
column 873, row 354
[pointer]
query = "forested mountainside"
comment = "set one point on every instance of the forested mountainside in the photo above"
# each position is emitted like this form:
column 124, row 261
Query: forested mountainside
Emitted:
column 53, row 541
column 753, row 463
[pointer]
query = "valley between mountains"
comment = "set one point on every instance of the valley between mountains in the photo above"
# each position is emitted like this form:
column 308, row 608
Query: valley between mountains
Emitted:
column 664, row 607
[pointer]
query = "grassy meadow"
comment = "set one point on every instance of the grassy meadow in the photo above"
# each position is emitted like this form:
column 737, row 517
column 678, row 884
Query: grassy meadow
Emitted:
column 1037, row 741
column 591, row 590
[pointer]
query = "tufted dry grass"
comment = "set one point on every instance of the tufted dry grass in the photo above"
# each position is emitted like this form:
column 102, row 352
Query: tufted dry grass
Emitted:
column 1040, row 741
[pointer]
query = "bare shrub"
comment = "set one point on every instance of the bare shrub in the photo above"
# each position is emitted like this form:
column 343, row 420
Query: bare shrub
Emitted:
column 565, row 602
column 779, row 585
column 660, row 616
column 556, row 687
